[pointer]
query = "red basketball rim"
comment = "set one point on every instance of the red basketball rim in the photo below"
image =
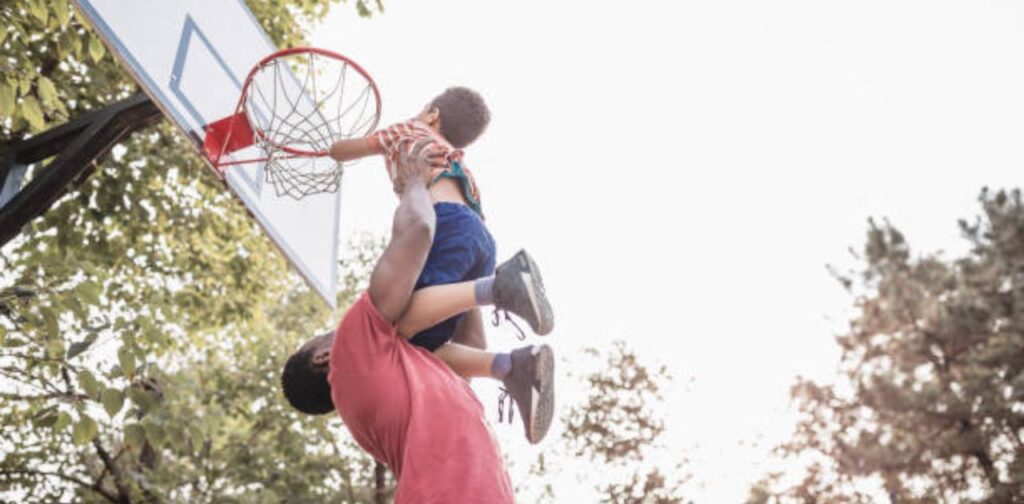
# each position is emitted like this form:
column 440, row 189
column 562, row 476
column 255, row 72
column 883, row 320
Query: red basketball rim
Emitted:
column 301, row 50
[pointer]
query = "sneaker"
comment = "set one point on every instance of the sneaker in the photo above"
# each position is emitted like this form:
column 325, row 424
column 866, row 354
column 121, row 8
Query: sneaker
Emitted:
column 518, row 288
column 530, row 384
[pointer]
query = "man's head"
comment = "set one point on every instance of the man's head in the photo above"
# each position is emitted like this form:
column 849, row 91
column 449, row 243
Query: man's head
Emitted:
column 459, row 114
column 304, row 378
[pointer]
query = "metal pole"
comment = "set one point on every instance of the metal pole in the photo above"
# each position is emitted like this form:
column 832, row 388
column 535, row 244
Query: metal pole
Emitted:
column 77, row 144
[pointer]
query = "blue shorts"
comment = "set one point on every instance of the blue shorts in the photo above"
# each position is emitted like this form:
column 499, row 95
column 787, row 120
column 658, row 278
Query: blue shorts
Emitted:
column 463, row 250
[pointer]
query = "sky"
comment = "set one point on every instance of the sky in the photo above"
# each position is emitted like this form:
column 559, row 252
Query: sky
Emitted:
column 684, row 171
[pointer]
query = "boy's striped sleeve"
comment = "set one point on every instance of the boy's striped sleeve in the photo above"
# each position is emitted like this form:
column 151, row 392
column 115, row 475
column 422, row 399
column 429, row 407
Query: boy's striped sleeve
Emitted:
column 386, row 140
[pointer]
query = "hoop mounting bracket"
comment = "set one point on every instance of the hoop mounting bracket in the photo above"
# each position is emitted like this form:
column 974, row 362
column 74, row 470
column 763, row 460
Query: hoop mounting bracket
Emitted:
column 225, row 136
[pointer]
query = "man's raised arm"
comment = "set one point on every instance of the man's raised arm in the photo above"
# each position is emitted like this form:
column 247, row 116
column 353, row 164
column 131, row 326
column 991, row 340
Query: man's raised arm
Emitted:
column 412, row 231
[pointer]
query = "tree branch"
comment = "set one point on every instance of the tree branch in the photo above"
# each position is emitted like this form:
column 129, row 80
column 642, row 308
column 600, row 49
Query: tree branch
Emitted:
column 26, row 379
column 41, row 397
column 94, row 487
column 103, row 473
column 123, row 497
column 31, row 358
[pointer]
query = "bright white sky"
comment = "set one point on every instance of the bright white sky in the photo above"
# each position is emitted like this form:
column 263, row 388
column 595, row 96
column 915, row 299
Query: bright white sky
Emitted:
column 684, row 171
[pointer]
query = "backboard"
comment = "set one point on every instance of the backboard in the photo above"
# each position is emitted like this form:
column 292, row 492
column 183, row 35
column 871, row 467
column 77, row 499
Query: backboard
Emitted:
column 191, row 57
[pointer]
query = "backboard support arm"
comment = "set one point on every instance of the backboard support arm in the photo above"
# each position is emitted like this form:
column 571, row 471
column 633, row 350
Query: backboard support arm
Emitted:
column 77, row 145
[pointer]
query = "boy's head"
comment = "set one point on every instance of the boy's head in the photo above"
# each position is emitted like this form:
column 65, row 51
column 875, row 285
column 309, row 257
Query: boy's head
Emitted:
column 459, row 114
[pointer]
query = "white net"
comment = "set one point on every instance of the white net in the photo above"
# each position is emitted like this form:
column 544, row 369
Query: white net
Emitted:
column 298, row 105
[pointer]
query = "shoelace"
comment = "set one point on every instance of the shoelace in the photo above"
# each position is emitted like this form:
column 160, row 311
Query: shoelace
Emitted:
column 504, row 398
column 497, row 320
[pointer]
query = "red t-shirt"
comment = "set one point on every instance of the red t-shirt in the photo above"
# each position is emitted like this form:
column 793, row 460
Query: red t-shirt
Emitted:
column 410, row 411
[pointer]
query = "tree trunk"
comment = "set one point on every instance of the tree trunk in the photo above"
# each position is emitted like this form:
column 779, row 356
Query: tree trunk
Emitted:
column 380, row 473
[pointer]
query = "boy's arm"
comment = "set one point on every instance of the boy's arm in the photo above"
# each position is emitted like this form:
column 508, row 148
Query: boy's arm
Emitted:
column 355, row 148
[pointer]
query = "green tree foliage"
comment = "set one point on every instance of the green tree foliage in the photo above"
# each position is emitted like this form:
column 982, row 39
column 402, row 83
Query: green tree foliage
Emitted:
column 931, row 402
column 54, row 67
column 144, row 318
column 614, row 426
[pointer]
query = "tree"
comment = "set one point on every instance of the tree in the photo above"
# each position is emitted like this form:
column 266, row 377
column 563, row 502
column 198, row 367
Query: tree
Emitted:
column 615, row 427
column 144, row 318
column 930, row 406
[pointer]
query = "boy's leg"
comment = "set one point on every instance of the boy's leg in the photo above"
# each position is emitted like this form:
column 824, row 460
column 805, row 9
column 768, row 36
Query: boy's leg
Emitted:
column 470, row 330
column 527, row 373
column 516, row 287
column 470, row 362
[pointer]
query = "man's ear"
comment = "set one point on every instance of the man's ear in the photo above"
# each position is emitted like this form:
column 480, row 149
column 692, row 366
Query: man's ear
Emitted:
column 322, row 357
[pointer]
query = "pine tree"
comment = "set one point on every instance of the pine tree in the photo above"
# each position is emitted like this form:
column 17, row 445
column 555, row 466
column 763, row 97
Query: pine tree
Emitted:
column 931, row 402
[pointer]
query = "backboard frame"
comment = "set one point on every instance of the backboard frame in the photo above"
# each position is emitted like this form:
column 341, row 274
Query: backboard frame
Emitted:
column 242, row 184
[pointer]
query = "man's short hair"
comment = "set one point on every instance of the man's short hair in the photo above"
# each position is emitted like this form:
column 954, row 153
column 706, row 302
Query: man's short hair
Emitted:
column 464, row 115
column 305, row 385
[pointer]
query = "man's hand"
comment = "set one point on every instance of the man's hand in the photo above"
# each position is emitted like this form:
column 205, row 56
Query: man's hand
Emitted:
column 412, row 232
column 416, row 163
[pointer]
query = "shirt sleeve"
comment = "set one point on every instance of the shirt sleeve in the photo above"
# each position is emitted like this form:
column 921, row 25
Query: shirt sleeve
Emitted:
column 385, row 141
column 364, row 340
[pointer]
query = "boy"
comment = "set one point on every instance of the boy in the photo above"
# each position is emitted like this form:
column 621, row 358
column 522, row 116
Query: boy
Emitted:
column 463, row 248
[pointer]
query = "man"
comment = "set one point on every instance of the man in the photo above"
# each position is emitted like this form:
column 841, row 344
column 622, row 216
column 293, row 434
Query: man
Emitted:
column 401, row 403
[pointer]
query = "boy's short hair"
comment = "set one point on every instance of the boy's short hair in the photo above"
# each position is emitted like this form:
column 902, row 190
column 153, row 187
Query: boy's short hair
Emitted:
column 305, row 386
column 464, row 115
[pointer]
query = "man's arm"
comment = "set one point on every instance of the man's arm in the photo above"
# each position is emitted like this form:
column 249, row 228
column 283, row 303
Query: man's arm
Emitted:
column 354, row 148
column 412, row 233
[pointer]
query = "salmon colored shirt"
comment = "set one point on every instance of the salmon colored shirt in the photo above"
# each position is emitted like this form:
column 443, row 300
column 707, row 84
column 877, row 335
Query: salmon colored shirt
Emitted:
column 386, row 142
column 412, row 412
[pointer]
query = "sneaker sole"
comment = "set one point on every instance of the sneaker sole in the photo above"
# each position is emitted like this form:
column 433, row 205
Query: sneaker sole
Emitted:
column 543, row 393
column 539, row 300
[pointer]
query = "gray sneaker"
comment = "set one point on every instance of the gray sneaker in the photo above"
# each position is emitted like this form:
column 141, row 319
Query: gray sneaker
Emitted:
column 531, row 385
column 519, row 289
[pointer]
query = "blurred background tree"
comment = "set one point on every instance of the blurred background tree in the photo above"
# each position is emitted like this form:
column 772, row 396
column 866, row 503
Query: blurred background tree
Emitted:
column 609, row 436
column 930, row 407
column 144, row 318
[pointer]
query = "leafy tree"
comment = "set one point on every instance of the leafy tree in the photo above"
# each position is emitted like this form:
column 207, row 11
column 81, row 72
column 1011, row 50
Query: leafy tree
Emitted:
column 931, row 402
column 144, row 318
column 615, row 427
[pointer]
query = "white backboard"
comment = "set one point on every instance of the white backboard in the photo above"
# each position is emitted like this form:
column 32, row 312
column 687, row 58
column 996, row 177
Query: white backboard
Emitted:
column 191, row 57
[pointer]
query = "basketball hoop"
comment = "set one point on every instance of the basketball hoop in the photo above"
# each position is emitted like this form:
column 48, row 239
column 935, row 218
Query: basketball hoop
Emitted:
column 295, row 104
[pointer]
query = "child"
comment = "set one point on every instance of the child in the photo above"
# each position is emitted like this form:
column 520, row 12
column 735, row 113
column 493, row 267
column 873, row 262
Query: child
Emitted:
column 463, row 249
